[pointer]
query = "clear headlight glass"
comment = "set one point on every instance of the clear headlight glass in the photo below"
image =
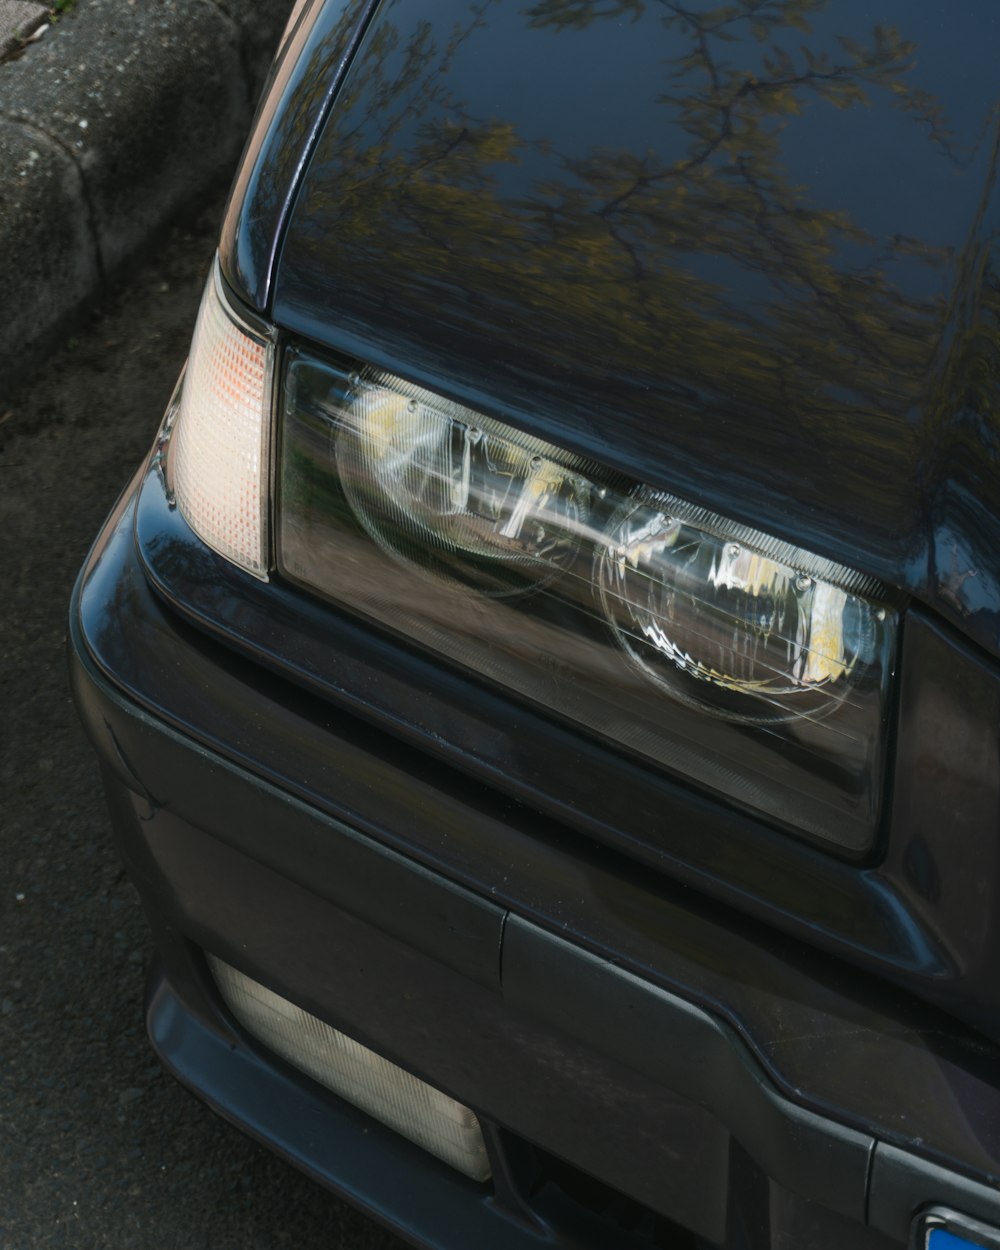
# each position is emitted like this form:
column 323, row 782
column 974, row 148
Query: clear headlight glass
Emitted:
column 434, row 490
column 729, row 620
column 724, row 655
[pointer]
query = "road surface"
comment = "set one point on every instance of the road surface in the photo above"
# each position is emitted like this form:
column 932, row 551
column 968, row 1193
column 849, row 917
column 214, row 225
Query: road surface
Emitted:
column 99, row 1147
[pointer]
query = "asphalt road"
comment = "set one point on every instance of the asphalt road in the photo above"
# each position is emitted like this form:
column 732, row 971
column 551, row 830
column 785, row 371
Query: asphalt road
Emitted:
column 99, row 1147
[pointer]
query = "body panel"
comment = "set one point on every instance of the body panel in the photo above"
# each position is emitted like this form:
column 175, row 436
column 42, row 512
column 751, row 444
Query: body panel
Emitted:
column 316, row 49
column 834, row 1038
column 923, row 917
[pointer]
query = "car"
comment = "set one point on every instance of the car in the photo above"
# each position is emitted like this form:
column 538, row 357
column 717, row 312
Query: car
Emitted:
column 545, row 675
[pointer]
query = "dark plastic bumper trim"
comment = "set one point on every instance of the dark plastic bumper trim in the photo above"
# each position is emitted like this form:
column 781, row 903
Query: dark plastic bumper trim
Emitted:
column 902, row 1183
column 374, row 1169
column 689, row 1052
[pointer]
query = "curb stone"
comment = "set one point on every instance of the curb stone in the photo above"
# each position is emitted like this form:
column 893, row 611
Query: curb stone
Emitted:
column 19, row 20
column 126, row 113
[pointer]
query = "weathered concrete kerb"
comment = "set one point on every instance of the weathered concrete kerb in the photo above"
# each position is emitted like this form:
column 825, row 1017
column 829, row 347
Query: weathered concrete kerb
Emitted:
column 125, row 113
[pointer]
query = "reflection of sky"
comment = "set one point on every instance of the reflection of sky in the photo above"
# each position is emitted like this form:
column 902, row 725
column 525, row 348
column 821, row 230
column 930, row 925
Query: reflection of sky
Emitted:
column 509, row 76
column 876, row 164
column 932, row 198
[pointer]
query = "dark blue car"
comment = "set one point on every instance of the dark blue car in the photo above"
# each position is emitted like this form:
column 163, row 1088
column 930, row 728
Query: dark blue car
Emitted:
column 546, row 674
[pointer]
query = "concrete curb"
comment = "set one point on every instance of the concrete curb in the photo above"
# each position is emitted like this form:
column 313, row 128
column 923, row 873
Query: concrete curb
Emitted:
column 19, row 19
column 125, row 113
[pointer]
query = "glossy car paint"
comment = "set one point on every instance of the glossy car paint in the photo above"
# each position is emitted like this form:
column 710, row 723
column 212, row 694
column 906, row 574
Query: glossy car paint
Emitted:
column 316, row 49
column 741, row 253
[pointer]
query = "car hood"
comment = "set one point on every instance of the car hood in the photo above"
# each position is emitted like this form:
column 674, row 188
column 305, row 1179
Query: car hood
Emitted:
column 742, row 252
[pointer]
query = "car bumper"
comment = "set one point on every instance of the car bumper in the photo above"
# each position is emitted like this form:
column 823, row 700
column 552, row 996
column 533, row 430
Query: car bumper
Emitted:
column 614, row 1049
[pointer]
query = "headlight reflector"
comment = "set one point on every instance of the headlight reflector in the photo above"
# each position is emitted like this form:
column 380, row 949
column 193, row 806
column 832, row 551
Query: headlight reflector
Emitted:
column 434, row 490
column 728, row 620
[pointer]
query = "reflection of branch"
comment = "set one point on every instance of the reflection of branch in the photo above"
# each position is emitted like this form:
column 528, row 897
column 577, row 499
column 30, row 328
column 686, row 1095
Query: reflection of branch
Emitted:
column 436, row 158
column 420, row 225
column 426, row 90
column 791, row 262
column 638, row 268
column 413, row 171
column 759, row 86
column 641, row 182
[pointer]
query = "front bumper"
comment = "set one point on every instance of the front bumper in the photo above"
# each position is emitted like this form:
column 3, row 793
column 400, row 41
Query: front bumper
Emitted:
column 699, row 1066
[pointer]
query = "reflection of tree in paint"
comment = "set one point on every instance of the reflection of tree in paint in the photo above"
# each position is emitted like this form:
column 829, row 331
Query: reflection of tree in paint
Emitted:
column 614, row 228
column 732, row 293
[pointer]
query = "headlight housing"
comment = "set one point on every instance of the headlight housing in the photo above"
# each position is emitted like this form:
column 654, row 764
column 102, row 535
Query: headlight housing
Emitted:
column 724, row 655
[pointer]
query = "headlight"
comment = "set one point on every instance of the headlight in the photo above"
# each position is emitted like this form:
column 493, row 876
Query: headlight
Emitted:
column 718, row 652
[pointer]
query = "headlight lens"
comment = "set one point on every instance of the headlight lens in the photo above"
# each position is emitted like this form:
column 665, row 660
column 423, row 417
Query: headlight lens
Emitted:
column 728, row 620
column 435, row 490
column 748, row 665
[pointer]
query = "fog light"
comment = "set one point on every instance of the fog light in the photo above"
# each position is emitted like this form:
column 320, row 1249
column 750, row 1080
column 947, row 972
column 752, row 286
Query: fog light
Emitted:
column 402, row 1102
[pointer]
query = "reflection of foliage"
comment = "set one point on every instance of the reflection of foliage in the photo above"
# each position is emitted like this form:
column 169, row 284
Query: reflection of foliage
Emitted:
column 617, row 236
column 294, row 125
column 763, row 17
column 841, row 84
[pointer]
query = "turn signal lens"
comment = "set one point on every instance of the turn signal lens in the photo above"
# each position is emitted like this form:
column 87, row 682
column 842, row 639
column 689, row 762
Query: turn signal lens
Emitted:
column 219, row 449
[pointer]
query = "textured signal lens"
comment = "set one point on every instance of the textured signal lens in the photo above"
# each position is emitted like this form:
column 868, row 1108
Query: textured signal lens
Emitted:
column 218, row 460
column 430, row 486
column 736, row 627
